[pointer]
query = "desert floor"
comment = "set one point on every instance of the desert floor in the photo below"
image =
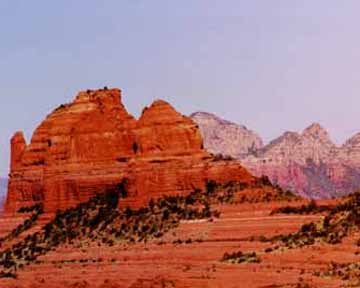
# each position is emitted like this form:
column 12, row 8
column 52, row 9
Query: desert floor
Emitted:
column 195, row 263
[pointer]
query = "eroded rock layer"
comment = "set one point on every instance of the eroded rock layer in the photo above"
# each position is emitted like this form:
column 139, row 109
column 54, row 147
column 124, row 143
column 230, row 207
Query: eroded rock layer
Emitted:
column 308, row 163
column 93, row 144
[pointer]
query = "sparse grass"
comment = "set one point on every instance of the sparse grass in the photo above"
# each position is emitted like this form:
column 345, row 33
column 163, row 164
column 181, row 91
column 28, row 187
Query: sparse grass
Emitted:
column 61, row 107
column 310, row 208
column 231, row 192
column 8, row 275
column 100, row 220
column 221, row 157
column 337, row 223
column 37, row 210
column 347, row 272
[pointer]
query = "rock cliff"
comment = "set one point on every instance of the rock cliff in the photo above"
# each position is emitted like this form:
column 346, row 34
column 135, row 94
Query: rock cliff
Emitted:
column 93, row 144
column 308, row 163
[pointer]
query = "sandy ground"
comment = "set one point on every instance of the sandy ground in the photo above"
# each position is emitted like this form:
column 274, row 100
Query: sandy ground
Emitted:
column 161, row 263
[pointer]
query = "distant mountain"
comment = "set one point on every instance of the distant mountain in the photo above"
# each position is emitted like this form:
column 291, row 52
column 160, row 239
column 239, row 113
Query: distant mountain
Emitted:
column 3, row 191
column 224, row 137
column 307, row 162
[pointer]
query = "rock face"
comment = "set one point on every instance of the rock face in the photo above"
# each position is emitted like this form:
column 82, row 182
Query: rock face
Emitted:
column 224, row 137
column 93, row 144
column 308, row 163
column 297, row 161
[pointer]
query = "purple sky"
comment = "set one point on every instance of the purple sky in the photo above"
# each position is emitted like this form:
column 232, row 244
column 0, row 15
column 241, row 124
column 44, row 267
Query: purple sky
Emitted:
column 271, row 65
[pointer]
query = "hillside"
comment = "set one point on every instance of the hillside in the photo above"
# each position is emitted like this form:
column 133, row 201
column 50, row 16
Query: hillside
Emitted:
column 211, row 238
column 72, row 246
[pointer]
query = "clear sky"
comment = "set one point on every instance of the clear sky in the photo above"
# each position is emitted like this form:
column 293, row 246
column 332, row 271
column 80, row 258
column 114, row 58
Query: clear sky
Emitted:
column 271, row 65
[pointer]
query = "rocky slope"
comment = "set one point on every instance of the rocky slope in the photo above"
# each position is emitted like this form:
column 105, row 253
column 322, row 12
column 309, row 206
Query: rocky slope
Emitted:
column 92, row 144
column 190, row 254
column 307, row 162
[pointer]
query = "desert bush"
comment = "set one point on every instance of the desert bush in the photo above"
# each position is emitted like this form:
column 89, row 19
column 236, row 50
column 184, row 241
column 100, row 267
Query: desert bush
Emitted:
column 100, row 219
column 37, row 210
column 310, row 208
column 339, row 221
column 240, row 257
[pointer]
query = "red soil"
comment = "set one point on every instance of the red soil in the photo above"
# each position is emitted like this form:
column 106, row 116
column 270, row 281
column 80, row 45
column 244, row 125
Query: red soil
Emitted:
column 161, row 263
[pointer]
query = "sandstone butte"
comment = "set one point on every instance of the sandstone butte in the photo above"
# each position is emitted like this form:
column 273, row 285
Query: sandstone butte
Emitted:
column 93, row 144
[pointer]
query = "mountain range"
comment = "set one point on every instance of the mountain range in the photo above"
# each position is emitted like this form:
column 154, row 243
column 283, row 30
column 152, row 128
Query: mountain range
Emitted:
column 306, row 162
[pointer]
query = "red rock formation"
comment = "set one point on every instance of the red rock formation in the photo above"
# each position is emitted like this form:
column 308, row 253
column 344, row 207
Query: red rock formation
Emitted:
column 18, row 146
column 92, row 144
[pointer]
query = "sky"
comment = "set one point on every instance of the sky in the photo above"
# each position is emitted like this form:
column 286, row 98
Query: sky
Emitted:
column 270, row 65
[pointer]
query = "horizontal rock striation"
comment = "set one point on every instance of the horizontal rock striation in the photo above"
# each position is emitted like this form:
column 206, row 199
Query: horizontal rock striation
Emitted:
column 308, row 163
column 93, row 144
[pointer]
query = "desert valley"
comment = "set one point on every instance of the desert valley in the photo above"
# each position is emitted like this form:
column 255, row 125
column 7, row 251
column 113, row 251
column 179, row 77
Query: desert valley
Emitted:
column 99, row 198
column 179, row 144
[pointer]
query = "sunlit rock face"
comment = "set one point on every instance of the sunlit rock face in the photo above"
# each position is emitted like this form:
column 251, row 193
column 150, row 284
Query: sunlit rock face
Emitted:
column 93, row 144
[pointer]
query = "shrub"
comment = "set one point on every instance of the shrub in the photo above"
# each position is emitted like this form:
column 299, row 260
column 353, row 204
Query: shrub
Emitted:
column 240, row 257
column 339, row 221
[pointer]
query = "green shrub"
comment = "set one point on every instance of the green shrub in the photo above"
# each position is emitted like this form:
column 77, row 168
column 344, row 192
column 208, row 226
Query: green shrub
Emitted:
column 240, row 257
